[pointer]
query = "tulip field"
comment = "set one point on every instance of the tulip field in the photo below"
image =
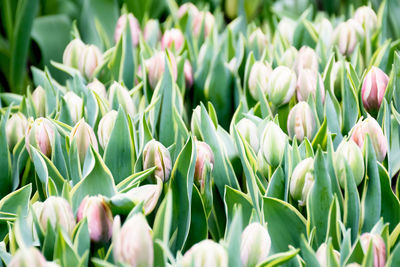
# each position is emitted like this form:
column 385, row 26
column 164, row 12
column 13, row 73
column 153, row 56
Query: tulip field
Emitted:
column 169, row 133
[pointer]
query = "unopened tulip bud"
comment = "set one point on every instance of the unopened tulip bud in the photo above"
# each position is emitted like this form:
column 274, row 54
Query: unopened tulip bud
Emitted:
column 339, row 70
column 105, row 128
column 289, row 57
column 347, row 35
column 40, row 134
column 322, row 255
column 307, row 85
column 273, row 144
column 378, row 247
column 84, row 136
column 90, row 59
column 281, row 86
column 39, row 101
column 367, row 18
column 248, row 130
column 302, row 180
column 325, row 31
column 157, row 155
column 206, row 253
column 203, row 18
column 255, row 244
column 152, row 33
column 15, row 129
column 72, row 53
column 188, row 72
column 286, row 28
column 301, row 122
column 349, row 152
column 133, row 243
column 134, row 28
column 259, row 39
column 28, row 257
column 57, row 211
column 306, row 59
column 187, row 8
column 156, row 67
column 99, row 88
column 259, row 75
column 75, row 106
column 99, row 218
column 371, row 127
column 120, row 94
column 373, row 89
column 204, row 156
column 172, row 37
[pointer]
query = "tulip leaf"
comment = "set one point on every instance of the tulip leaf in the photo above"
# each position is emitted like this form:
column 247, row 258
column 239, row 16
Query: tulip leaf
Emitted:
column 5, row 162
column 332, row 117
column 22, row 232
column 234, row 236
column 49, row 241
column 308, row 254
column 321, row 136
column 234, row 198
column 352, row 212
column 81, row 237
column 333, row 231
column 162, row 228
column 279, row 259
column 394, row 144
column 44, row 79
column 134, row 180
column 64, row 251
column 394, row 259
column 350, row 105
column 276, row 187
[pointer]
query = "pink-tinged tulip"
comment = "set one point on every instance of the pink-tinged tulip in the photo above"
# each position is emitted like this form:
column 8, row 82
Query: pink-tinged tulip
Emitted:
column 28, row 257
column 373, row 88
column 248, row 130
column 152, row 33
column 281, row 86
column 187, row 8
column 120, row 94
column 105, row 128
column 204, row 156
column 188, row 72
column 133, row 243
column 40, row 134
column 322, row 255
column 301, row 122
column 99, row 88
column 72, row 53
column 203, row 18
column 84, row 136
column 255, row 244
column 75, row 106
column 371, row 127
column 99, row 218
column 156, row 67
column 302, row 180
column 307, row 85
column 347, row 35
column 378, row 247
column 39, row 101
column 259, row 75
column 90, row 59
column 172, row 37
column 15, row 129
column 134, row 28
column 206, row 253
column 57, row 211
column 367, row 18
column 157, row 155
column 306, row 59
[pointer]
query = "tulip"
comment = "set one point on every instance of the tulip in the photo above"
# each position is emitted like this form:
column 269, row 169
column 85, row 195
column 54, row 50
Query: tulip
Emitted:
column 133, row 243
column 255, row 244
column 105, row 128
column 325, row 31
column 248, row 130
column 72, row 53
column 367, row 18
column 339, row 70
column 322, row 255
column 97, row 87
column 152, row 33
column 40, row 134
column 289, row 57
column 204, row 156
column 206, row 253
column 57, row 211
column 273, row 144
column 371, row 127
column 15, row 129
column 28, row 257
column 347, row 35
column 90, row 59
column 286, row 29
column 39, row 101
column 203, row 18
column 172, row 37
column 349, row 152
column 373, row 88
column 259, row 39
column 281, row 86
column 84, row 136
column 378, row 247
column 134, row 28
column 301, row 122
column 302, row 180
column 259, row 74
column 188, row 72
column 120, row 95
column 306, row 59
column 195, row 124
column 75, row 106
column 187, row 8
column 156, row 66
column 307, row 84
column 157, row 155
column 99, row 218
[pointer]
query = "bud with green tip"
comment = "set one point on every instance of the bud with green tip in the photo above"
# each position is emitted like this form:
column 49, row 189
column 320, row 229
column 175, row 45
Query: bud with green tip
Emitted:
column 307, row 85
column 258, row 39
column 259, row 74
column 40, row 135
column 84, row 136
column 204, row 155
column 325, row 31
column 152, row 33
column 281, row 86
column 378, row 247
column 306, row 59
column 156, row 66
column 105, row 128
column 39, row 101
column 28, row 257
column 374, row 88
column 366, row 16
column 15, row 129
column 90, row 59
column 206, row 253
column 57, row 210
column 347, row 35
column 120, row 94
column 248, row 130
column 289, row 57
column 302, row 180
column 301, row 122
column 134, row 28
column 273, row 144
column 75, row 106
column 349, row 152
column 98, row 87
column 322, row 255
column 157, row 155
column 72, row 53
column 255, row 244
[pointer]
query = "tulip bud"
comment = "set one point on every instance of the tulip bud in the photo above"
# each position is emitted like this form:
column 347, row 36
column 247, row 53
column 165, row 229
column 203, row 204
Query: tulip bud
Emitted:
column 338, row 71
column 57, row 210
column 72, row 53
column 302, row 180
column 75, row 106
column 273, row 144
column 172, row 36
column 97, row 87
column 322, row 255
column 349, row 152
column 99, row 218
column 307, row 84
column 373, row 88
column 134, row 28
column 248, row 130
column 133, row 243
column 15, row 129
column 90, row 59
column 353, row 264
column 306, row 59
column 204, row 156
column 255, row 245
column 40, row 134
column 259, row 39
column 120, row 95
column 187, row 8
column 378, row 247
column 301, row 122
column 281, row 86
column 286, row 28
column 325, row 31
column 206, row 253
column 105, row 128
column 28, row 257
column 84, row 136
column 203, row 18
column 371, row 127
column 289, row 57
column 367, row 18
column 195, row 124
column 188, row 72
column 39, row 101
column 157, row 155
column 259, row 74
column 156, row 66
column 347, row 35
column 152, row 31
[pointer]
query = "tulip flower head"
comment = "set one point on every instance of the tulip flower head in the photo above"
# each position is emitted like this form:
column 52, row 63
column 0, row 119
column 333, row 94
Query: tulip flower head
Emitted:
column 374, row 88
column 15, row 129
column 302, row 180
column 157, row 155
column 255, row 244
column 57, row 211
column 378, row 247
column 206, row 253
column 134, row 28
column 301, row 122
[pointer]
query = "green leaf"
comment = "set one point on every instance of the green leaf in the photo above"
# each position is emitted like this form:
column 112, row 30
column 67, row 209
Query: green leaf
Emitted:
column 234, row 237
column 64, row 251
column 333, row 231
column 350, row 104
column 308, row 254
column 276, row 187
column 322, row 136
column 394, row 259
column 5, row 162
column 351, row 217
column 279, row 259
column 233, row 198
